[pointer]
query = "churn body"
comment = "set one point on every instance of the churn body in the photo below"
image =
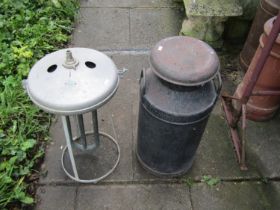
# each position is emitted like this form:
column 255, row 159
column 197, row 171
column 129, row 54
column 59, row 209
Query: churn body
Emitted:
column 172, row 117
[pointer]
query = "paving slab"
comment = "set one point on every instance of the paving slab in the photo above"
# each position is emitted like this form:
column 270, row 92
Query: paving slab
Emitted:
column 131, row 3
column 244, row 195
column 56, row 197
column 119, row 28
column 272, row 190
column 102, row 28
column 215, row 155
column 51, row 168
column 263, row 146
column 136, row 197
column 148, row 26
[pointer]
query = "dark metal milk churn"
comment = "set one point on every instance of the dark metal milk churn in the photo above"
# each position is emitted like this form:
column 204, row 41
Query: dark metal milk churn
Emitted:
column 177, row 95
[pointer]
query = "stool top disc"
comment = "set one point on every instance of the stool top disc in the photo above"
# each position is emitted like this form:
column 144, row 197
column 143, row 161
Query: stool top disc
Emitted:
column 72, row 81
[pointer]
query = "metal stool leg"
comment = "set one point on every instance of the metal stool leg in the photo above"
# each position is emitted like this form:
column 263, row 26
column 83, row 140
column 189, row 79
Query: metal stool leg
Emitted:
column 82, row 131
column 77, row 125
column 68, row 124
column 84, row 143
column 95, row 128
column 69, row 146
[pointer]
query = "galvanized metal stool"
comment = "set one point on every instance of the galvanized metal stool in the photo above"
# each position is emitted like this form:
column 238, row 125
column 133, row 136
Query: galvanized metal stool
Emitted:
column 70, row 83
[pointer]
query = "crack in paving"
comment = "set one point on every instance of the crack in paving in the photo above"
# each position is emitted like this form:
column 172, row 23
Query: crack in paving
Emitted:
column 131, row 7
column 191, row 199
column 126, row 51
column 76, row 197
column 155, row 182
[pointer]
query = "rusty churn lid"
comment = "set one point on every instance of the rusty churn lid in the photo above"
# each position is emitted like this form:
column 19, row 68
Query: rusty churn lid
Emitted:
column 184, row 61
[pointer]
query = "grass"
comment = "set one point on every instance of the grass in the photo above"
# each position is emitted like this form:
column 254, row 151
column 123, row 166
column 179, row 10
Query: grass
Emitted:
column 28, row 30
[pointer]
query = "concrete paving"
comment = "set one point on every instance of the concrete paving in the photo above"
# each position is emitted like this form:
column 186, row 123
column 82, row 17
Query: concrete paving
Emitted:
column 242, row 196
column 136, row 196
column 126, row 30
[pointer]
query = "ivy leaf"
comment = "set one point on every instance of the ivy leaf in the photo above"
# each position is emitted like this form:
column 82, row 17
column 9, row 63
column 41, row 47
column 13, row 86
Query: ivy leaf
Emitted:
column 210, row 181
column 24, row 171
column 27, row 144
column 56, row 3
column 213, row 181
column 6, row 180
column 27, row 200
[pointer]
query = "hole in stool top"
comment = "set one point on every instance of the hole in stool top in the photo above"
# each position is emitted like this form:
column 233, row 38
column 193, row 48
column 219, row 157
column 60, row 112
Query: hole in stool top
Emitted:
column 52, row 68
column 90, row 64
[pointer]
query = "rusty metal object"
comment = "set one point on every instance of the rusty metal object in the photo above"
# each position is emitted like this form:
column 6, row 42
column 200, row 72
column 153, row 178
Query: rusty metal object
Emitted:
column 262, row 106
column 266, row 10
column 233, row 129
column 246, row 88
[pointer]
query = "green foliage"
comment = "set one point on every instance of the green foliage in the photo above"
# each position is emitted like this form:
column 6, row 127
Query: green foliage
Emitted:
column 210, row 181
column 189, row 181
column 28, row 30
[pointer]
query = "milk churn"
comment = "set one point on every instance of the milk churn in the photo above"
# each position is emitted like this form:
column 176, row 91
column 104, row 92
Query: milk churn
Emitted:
column 177, row 95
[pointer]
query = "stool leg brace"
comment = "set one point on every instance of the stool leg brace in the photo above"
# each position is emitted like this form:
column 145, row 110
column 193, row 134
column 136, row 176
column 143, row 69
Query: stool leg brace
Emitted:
column 70, row 142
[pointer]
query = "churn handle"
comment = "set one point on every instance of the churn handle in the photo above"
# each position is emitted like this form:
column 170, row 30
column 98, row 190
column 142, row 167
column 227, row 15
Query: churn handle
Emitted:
column 142, row 81
column 218, row 86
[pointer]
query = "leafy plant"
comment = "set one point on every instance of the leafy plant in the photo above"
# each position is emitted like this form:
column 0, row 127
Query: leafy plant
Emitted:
column 264, row 180
column 22, row 127
column 189, row 181
column 31, row 28
column 210, row 181
column 28, row 30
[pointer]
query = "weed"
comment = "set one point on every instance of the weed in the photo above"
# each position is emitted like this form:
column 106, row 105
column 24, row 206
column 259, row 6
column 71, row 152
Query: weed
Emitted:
column 189, row 181
column 265, row 180
column 210, row 181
